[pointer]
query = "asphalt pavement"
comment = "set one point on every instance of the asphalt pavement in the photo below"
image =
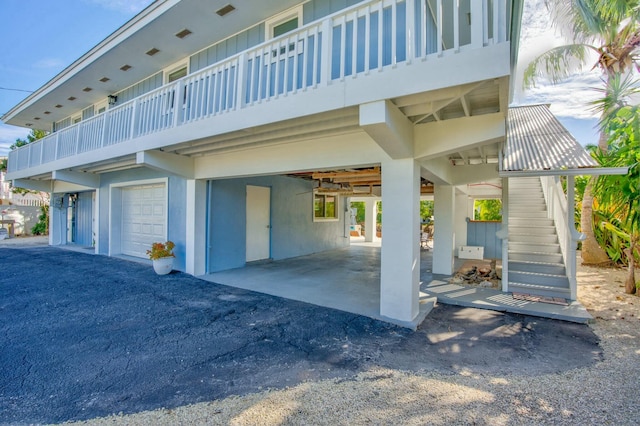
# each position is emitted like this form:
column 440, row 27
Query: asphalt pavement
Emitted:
column 85, row 336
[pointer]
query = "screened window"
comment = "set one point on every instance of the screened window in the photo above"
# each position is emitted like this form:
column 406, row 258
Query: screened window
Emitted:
column 285, row 27
column 177, row 74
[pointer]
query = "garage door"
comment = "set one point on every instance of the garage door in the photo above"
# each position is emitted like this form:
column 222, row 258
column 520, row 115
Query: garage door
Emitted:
column 143, row 218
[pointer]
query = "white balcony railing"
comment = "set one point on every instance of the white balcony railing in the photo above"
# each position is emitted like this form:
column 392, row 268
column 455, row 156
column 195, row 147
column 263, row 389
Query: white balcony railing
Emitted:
column 366, row 37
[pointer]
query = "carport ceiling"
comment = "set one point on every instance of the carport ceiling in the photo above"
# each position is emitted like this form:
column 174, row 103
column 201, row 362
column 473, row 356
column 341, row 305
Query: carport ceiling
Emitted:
column 361, row 182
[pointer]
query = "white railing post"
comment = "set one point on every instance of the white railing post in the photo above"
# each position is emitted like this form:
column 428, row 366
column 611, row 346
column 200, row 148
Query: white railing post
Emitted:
column 57, row 150
column 410, row 30
column 325, row 56
column 134, row 118
column 105, row 124
column 477, row 32
column 572, row 239
column 78, row 136
column 177, row 103
column 503, row 234
column 241, row 81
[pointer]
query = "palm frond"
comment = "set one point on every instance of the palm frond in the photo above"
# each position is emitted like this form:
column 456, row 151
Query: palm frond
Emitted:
column 556, row 64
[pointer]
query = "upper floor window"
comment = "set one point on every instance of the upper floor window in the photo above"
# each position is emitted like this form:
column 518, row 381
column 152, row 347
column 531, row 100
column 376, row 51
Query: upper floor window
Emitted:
column 284, row 22
column 176, row 71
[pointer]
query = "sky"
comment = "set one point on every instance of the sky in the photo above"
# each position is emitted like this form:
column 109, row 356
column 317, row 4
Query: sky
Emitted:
column 40, row 38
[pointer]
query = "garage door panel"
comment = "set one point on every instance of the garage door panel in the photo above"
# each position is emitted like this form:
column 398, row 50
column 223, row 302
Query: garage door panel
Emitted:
column 143, row 212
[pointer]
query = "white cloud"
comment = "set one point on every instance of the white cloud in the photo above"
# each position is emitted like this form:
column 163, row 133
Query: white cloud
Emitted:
column 570, row 98
column 49, row 63
column 8, row 135
column 123, row 6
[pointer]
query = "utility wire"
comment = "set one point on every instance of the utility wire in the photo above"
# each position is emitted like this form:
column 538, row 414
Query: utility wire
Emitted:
column 16, row 90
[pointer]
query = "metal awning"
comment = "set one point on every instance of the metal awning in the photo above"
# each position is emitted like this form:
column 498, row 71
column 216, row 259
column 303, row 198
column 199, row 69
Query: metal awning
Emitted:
column 538, row 144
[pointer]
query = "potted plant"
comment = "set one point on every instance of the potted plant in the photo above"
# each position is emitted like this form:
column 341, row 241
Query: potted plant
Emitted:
column 162, row 256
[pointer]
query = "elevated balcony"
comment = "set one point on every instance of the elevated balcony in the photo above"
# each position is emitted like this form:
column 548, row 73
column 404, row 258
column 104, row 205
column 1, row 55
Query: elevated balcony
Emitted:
column 385, row 49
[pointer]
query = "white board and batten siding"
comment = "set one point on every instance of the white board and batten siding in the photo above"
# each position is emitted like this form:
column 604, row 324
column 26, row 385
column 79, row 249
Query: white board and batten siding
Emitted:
column 144, row 218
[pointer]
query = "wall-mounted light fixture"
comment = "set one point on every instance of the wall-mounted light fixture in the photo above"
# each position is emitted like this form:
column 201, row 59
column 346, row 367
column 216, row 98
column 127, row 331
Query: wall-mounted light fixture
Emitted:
column 113, row 99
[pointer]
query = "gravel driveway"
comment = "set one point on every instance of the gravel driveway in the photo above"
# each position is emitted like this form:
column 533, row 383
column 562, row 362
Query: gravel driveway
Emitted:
column 87, row 336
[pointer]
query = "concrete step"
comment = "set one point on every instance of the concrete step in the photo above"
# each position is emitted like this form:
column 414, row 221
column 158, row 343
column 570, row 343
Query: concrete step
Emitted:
column 529, row 256
column 525, row 237
column 534, row 247
column 539, row 290
column 539, row 267
column 536, row 278
column 529, row 222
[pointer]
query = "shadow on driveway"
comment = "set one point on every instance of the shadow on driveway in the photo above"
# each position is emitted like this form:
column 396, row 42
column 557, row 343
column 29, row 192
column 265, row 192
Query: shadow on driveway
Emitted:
column 86, row 336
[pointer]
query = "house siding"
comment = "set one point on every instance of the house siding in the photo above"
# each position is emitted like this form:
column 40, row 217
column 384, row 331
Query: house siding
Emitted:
column 483, row 234
column 176, row 214
column 293, row 231
column 140, row 88
column 226, row 48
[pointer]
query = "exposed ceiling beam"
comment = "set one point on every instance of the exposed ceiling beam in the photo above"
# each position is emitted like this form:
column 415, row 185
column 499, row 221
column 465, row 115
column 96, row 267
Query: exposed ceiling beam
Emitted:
column 388, row 127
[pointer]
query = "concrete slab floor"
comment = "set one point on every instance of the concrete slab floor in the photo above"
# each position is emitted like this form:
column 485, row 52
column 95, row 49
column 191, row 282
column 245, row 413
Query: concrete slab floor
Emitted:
column 345, row 279
column 349, row 280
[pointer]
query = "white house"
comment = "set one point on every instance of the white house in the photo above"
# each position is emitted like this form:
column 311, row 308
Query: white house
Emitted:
column 239, row 129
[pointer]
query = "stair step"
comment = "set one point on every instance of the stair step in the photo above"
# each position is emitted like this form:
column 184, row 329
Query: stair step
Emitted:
column 528, row 207
column 526, row 237
column 528, row 222
column 536, row 278
column 539, row 290
column 529, row 214
column 530, row 256
column 539, row 267
column 534, row 247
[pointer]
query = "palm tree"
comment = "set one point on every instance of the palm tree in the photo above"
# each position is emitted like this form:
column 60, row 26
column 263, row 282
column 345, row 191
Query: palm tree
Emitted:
column 610, row 31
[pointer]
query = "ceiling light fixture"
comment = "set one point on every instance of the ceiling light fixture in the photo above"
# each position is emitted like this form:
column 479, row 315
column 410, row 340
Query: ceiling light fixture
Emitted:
column 225, row 10
column 183, row 33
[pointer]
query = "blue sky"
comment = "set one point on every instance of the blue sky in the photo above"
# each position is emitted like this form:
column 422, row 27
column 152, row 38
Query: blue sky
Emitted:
column 41, row 37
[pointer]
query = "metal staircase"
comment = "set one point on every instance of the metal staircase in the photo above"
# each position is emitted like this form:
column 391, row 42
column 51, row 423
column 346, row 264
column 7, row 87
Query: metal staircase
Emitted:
column 536, row 265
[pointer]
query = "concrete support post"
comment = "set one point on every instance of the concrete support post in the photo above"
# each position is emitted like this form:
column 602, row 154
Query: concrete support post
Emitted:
column 444, row 235
column 370, row 212
column 195, row 251
column 400, row 258
column 460, row 220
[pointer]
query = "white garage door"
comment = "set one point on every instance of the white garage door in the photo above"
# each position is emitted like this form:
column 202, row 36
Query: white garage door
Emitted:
column 143, row 218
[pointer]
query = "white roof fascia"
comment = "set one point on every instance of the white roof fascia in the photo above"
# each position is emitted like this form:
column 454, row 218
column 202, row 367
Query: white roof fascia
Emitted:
column 146, row 16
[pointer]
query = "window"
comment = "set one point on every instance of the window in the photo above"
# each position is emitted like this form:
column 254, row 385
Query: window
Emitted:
column 176, row 71
column 283, row 23
column 325, row 207
column 76, row 119
column 101, row 107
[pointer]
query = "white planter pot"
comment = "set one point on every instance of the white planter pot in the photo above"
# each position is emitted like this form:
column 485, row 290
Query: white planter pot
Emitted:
column 163, row 266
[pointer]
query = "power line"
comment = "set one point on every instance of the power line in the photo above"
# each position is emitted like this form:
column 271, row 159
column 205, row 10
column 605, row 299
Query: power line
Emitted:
column 16, row 90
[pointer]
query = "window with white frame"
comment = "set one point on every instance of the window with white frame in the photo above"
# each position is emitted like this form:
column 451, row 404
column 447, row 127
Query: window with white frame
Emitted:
column 76, row 119
column 100, row 107
column 283, row 23
column 176, row 71
column 325, row 207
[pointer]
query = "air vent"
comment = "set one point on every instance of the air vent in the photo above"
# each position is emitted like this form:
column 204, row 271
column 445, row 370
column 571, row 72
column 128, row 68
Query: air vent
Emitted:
column 47, row 112
column 183, row 33
column 36, row 118
column 125, row 67
column 152, row 51
column 58, row 106
column 227, row 9
column 71, row 98
column 104, row 79
column 87, row 89
column 28, row 124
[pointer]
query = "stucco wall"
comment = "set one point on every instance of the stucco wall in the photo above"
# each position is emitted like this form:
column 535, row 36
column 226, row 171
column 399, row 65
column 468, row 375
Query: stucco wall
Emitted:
column 293, row 232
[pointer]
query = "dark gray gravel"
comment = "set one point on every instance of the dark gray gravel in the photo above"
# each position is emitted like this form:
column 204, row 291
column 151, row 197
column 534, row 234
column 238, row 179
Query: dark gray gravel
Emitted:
column 86, row 336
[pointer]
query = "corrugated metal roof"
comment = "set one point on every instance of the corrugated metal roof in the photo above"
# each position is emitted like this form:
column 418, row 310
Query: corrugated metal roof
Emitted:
column 537, row 141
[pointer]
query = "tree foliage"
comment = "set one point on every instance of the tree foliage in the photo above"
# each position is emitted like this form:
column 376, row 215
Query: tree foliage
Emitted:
column 490, row 209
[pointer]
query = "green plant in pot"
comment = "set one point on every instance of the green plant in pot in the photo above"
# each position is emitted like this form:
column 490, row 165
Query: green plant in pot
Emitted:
column 162, row 256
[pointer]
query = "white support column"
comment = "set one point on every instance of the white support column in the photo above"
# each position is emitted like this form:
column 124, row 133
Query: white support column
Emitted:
column 400, row 259
column 460, row 220
column 195, row 262
column 444, row 235
column 370, row 212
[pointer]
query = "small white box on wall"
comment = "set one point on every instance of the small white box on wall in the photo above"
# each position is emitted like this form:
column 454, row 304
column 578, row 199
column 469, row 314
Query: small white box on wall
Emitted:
column 471, row 252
